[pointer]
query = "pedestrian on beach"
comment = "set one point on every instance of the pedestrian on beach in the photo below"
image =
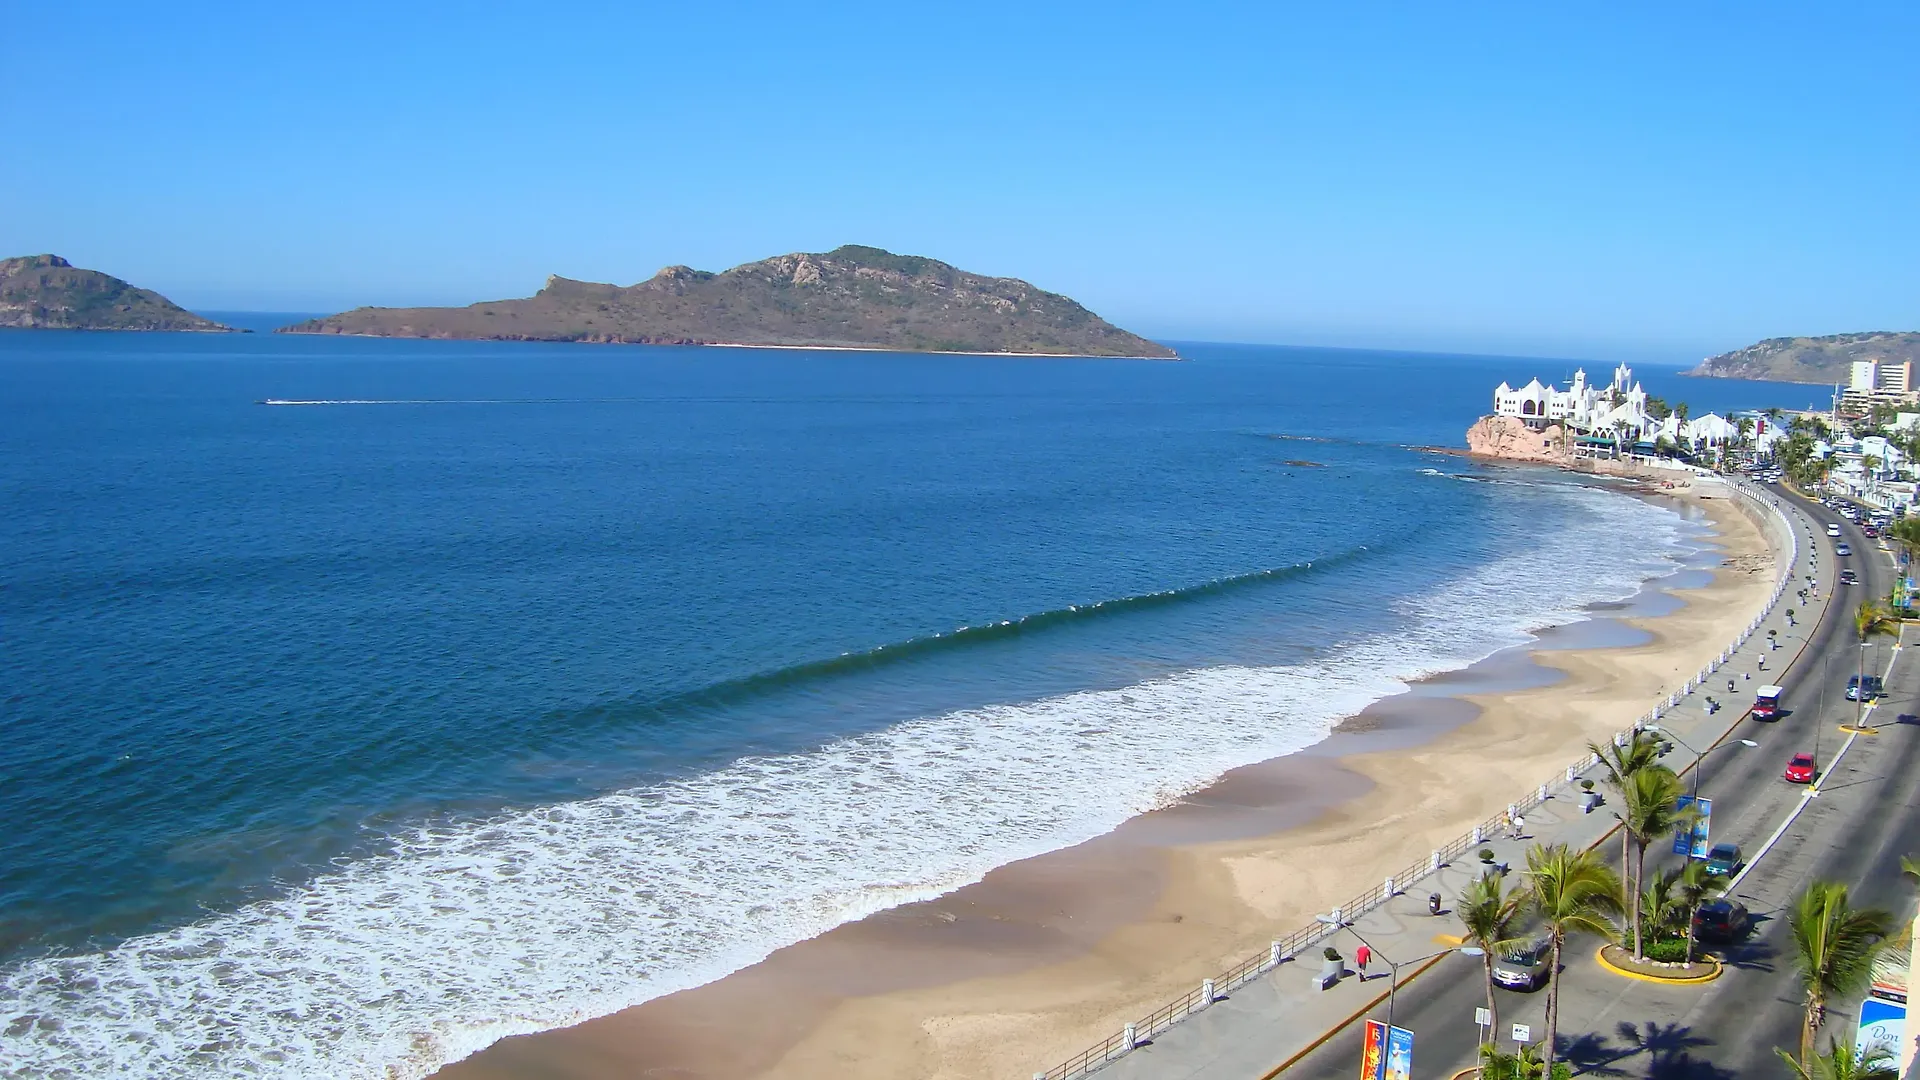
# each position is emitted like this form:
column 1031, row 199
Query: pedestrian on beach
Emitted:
column 1362, row 956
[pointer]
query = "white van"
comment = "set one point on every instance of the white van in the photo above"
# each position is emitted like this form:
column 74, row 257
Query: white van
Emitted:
column 1833, row 528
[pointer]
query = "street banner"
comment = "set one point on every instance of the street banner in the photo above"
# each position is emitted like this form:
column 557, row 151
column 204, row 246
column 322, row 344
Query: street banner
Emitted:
column 1694, row 845
column 1373, row 1052
column 1399, row 1054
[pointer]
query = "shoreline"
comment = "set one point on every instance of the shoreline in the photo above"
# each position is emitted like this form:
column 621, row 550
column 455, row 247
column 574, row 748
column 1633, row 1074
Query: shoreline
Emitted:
column 1044, row 956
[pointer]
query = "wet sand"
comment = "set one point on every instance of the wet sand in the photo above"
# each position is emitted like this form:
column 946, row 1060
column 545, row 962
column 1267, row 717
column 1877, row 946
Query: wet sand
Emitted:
column 1046, row 956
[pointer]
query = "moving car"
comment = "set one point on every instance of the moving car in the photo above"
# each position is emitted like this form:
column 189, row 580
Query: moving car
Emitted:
column 1833, row 528
column 1723, row 859
column 1721, row 922
column 1842, row 549
column 1848, row 577
column 1766, row 702
column 1524, row 967
column 1869, row 688
column 1799, row 769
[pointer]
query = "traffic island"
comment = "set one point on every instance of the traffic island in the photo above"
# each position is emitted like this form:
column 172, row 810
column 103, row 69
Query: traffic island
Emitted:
column 1621, row 962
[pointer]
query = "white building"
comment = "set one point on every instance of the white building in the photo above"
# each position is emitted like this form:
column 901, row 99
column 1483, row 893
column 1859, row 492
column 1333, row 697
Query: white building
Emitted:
column 1621, row 406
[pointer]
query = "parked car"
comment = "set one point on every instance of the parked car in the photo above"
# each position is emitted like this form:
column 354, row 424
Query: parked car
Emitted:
column 1842, row 549
column 1869, row 688
column 1848, row 577
column 1723, row 859
column 1721, row 922
column 1524, row 967
column 1799, row 769
column 1833, row 528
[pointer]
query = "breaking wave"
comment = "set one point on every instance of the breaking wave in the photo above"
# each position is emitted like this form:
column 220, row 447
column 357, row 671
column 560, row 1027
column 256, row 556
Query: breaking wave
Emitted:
column 465, row 933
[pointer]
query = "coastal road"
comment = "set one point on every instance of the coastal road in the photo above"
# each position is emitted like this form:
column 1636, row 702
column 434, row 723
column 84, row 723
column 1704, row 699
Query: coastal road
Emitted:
column 1866, row 816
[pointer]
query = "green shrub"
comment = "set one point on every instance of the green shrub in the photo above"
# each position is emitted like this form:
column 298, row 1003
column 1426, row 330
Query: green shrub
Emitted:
column 1667, row 950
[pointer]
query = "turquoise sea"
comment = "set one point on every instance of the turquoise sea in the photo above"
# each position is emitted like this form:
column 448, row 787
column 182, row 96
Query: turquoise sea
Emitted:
column 501, row 685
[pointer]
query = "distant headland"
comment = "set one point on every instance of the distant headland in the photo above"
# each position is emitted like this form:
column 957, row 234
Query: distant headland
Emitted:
column 46, row 292
column 1828, row 359
column 849, row 298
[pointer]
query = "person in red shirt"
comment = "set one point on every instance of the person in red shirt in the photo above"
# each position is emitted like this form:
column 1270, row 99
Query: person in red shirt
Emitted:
column 1361, row 956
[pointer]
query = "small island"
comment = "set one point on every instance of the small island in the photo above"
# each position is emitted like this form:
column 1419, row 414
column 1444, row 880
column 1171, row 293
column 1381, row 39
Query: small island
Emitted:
column 46, row 292
column 852, row 297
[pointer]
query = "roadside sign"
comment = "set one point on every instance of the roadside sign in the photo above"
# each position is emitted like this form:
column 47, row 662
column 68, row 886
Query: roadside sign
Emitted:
column 1881, row 1023
column 1482, row 1016
column 1694, row 845
column 1522, row 1033
column 1386, row 1053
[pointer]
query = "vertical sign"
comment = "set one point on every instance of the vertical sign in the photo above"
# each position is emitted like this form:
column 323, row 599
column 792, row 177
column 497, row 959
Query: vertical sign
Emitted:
column 1373, row 1052
column 1881, row 1024
column 1399, row 1054
column 1694, row 845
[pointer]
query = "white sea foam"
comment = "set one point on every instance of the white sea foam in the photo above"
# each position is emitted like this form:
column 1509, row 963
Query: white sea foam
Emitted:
column 391, row 966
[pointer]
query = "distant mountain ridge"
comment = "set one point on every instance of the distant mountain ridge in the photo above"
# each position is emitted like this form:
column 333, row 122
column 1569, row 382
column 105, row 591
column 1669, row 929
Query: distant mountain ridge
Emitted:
column 1826, row 359
column 46, row 292
column 850, row 297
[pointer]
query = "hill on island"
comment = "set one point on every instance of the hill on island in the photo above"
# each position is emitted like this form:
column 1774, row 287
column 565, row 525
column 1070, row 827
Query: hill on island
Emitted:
column 46, row 292
column 850, row 297
column 1810, row 359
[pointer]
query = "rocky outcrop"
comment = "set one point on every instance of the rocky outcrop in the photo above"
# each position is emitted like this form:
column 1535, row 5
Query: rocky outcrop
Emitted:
column 851, row 297
column 1508, row 439
column 46, row 292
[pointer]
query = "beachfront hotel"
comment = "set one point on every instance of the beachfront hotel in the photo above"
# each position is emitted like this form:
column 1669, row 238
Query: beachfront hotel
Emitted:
column 1604, row 420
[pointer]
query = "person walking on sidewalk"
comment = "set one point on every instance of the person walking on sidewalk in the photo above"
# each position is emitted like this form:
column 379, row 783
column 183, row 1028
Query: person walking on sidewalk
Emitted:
column 1519, row 827
column 1362, row 956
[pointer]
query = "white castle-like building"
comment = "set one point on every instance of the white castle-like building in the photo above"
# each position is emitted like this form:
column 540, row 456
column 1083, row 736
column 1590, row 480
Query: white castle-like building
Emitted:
column 1616, row 413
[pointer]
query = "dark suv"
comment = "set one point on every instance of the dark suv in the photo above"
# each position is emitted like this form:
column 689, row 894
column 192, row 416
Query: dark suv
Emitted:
column 1721, row 922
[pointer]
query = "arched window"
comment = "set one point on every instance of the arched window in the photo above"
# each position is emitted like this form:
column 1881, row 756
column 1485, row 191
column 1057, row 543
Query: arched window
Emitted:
column 1526, row 408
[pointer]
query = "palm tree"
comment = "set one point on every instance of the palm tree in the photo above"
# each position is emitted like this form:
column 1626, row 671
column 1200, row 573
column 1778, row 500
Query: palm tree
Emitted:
column 1694, row 887
column 1649, row 809
column 1910, row 870
column 1620, row 763
column 1573, row 893
column 1870, row 620
column 1834, row 945
column 1488, row 917
column 1661, row 909
column 1841, row 1063
column 1906, row 533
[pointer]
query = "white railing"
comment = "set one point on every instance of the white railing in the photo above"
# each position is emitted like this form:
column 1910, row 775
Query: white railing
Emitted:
column 1285, row 948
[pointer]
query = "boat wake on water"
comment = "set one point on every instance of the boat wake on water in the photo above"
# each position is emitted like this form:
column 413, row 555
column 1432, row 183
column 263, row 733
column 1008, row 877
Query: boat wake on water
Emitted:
column 463, row 933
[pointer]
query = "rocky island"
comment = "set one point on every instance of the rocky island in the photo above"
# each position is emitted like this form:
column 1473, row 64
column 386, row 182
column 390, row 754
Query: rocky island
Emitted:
column 46, row 292
column 1826, row 360
column 850, row 297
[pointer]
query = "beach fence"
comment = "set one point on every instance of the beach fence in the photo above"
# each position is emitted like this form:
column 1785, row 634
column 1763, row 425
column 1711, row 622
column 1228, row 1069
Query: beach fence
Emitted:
column 1768, row 513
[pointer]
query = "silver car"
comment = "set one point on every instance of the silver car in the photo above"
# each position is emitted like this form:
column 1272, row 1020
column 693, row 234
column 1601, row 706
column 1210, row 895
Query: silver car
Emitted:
column 1524, row 966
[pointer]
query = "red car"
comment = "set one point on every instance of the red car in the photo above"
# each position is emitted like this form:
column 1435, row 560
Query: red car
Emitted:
column 1800, row 769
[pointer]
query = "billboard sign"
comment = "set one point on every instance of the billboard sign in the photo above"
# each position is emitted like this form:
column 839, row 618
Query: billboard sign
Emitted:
column 1694, row 845
column 1881, row 1023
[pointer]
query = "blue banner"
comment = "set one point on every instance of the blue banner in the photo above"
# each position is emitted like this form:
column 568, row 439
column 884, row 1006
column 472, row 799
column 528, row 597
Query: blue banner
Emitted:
column 1399, row 1054
column 1693, row 844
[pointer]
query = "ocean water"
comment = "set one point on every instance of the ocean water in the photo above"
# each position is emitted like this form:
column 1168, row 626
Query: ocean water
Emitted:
column 504, row 685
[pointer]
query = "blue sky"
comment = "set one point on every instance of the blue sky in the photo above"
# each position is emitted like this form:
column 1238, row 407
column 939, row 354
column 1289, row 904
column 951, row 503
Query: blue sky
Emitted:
column 1653, row 181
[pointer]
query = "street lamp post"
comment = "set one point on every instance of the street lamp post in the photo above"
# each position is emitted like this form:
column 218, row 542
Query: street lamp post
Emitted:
column 1698, row 755
column 1393, row 969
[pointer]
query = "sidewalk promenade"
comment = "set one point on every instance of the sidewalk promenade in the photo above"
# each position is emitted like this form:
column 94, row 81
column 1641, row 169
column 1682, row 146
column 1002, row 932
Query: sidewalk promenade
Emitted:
column 1254, row 1029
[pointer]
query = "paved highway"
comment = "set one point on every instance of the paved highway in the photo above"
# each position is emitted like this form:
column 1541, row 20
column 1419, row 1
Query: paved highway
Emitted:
column 1866, row 816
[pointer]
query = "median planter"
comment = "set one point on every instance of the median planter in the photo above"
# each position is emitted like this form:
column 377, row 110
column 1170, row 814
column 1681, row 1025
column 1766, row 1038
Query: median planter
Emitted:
column 1619, row 960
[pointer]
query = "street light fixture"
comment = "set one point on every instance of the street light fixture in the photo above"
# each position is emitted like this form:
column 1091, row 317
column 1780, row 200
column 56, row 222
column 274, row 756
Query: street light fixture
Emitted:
column 1393, row 969
column 1698, row 755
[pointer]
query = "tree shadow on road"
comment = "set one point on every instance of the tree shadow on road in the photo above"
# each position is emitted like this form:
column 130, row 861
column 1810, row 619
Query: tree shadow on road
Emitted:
column 1666, row 1047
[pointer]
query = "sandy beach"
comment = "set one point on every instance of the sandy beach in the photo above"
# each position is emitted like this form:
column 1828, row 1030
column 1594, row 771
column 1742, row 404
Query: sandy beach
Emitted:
column 1043, row 957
